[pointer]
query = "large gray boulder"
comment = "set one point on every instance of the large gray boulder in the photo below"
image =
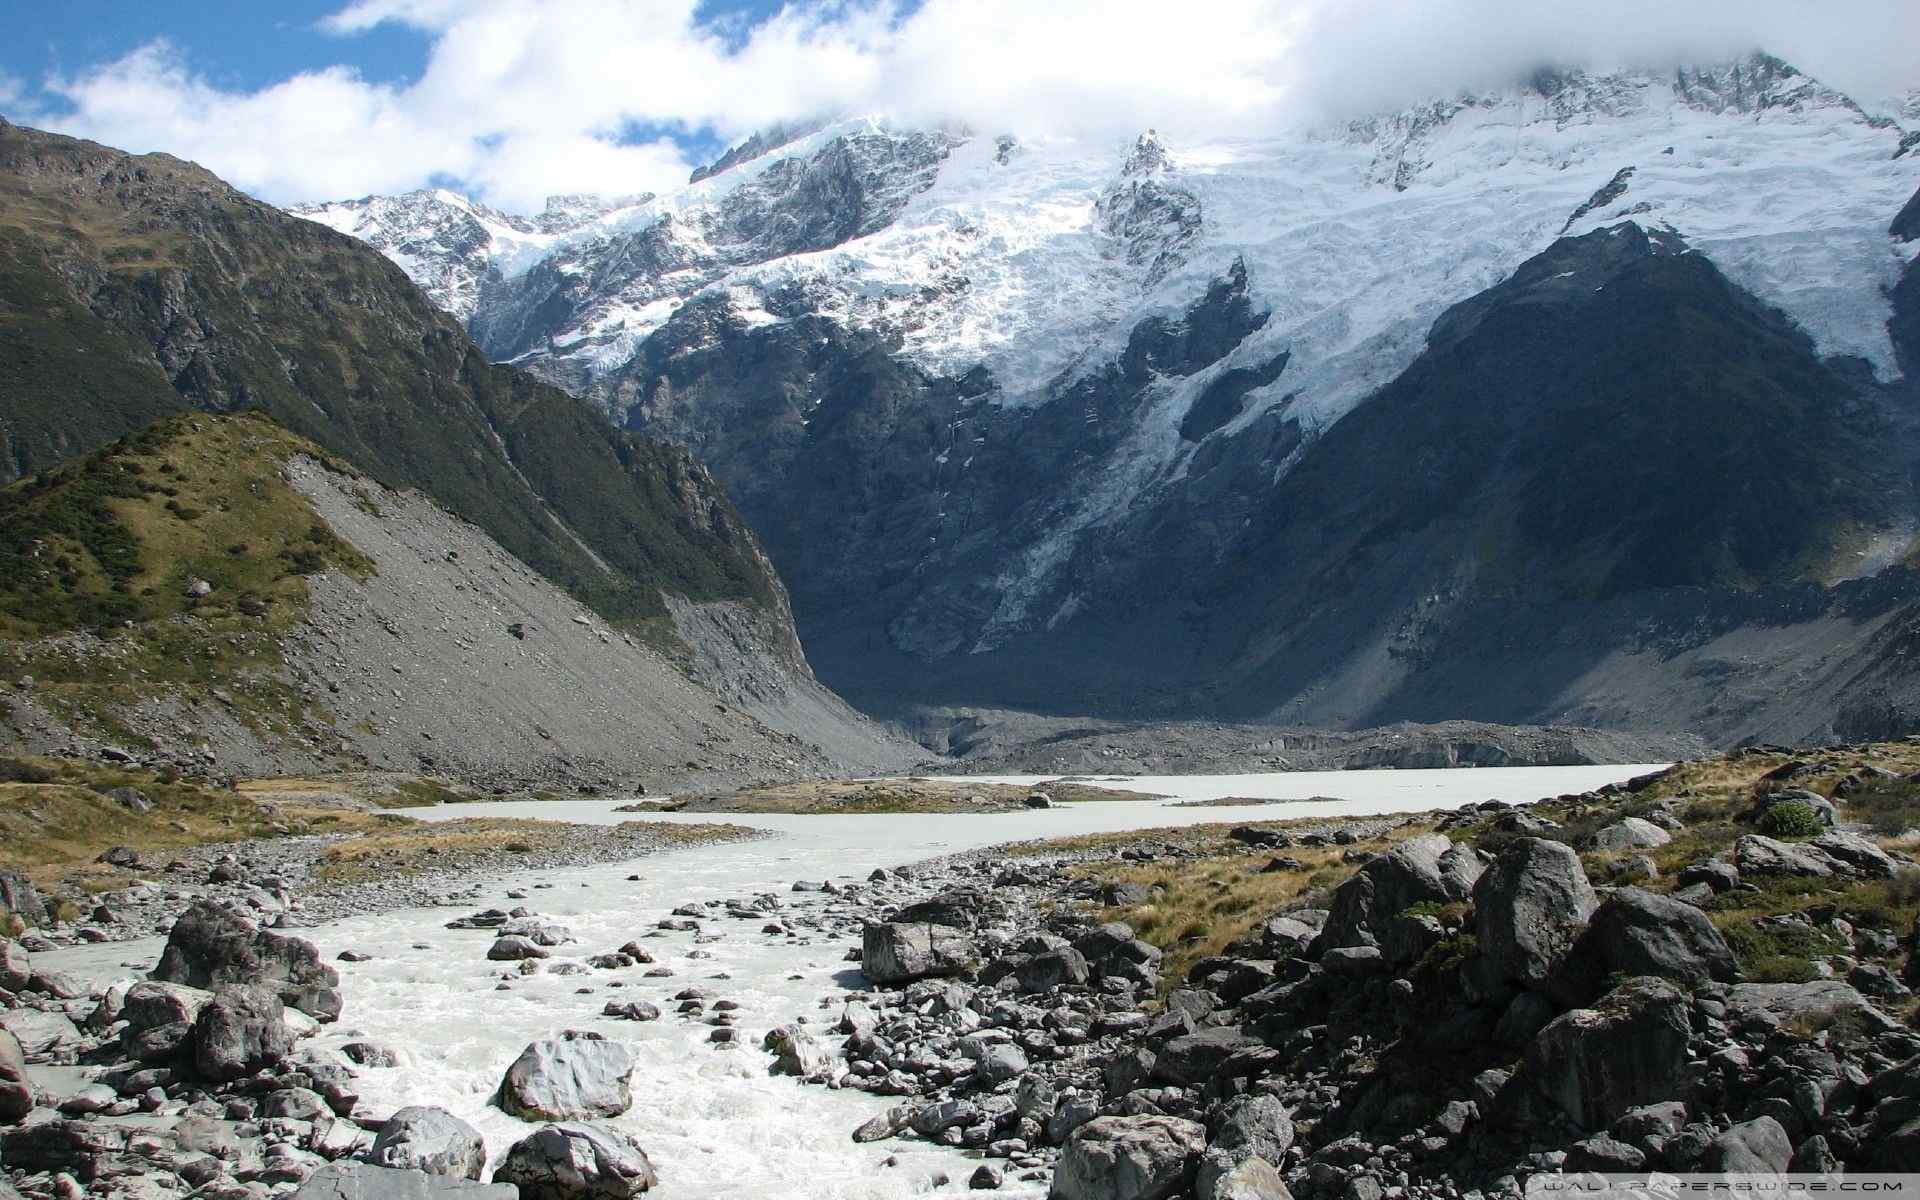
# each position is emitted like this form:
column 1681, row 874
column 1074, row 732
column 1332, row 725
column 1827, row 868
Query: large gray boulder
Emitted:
column 901, row 953
column 1637, row 932
column 1856, row 855
column 16, row 967
column 423, row 1138
column 1757, row 1147
column 1819, row 1003
column 1250, row 1134
column 1628, row 1050
column 1248, row 1179
column 1631, row 833
column 796, row 1052
column 366, row 1181
column 43, row 1036
column 1128, row 1158
column 1062, row 966
column 576, row 1076
column 576, row 1162
column 1529, row 907
column 1113, row 952
column 211, row 945
column 1425, row 869
column 1195, row 1058
column 16, row 1092
column 239, row 1031
column 150, row 1004
column 1756, row 856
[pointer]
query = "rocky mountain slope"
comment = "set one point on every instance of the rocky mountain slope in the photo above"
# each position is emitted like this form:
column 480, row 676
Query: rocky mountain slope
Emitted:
column 136, row 287
column 1584, row 402
column 215, row 594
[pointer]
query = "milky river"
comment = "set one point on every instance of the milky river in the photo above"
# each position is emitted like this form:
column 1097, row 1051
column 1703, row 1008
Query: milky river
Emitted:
column 715, row 1124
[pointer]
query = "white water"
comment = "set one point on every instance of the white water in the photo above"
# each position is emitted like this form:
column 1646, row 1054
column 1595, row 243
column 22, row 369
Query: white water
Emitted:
column 712, row 1120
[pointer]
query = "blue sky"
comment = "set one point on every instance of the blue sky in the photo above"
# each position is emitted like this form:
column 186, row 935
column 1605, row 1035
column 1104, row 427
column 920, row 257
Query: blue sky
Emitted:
column 513, row 100
column 247, row 45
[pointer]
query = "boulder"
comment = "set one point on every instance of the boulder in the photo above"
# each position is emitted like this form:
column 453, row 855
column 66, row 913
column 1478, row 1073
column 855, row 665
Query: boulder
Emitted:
column 16, row 968
column 514, row 948
column 1628, row 1050
column 1254, row 1127
column 366, row 1181
column 1248, row 1179
column 423, row 1138
column 900, row 953
column 1529, row 907
column 17, row 895
column 1419, row 870
column 1756, row 1147
column 150, row 1004
column 43, row 1036
column 1820, row 1004
column 996, row 1063
column 239, row 1031
column 1855, row 855
column 211, row 945
column 16, row 1091
column 1631, row 833
column 956, row 908
column 575, row 1076
column 576, row 1162
column 1757, row 855
column 795, row 1052
column 1112, row 952
column 1637, row 932
column 1195, row 1058
column 1060, row 967
column 1128, row 1158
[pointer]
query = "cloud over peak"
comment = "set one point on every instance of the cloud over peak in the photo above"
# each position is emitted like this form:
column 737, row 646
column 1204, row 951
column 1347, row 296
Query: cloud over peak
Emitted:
column 521, row 98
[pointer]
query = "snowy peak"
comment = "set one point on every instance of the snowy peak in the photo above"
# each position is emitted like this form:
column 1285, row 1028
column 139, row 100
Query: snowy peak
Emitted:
column 764, row 141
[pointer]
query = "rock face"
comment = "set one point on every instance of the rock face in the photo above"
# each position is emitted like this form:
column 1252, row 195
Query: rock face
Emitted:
column 1596, row 1063
column 366, row 1181
column 1128, row 1158
column 239, row 1031
column 212, row 945
column 1427, row 869
column 576, row 1162
column 576, row 1076
column 429, row 1139
column 1529, row 907
column 897, row 953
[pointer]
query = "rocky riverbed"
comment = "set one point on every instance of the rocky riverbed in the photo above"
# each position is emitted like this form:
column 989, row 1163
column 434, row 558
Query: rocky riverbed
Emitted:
column 1660, row 975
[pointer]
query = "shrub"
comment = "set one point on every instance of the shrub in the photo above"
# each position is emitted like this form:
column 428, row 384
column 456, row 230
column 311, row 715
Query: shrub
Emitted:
column 1791, row 819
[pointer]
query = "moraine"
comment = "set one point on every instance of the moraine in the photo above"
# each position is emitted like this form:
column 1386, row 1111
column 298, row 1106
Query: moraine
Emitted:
column 712, row 1120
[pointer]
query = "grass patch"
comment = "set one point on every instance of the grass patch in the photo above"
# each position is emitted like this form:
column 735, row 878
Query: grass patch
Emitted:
column 52, row 829
column 99, row 547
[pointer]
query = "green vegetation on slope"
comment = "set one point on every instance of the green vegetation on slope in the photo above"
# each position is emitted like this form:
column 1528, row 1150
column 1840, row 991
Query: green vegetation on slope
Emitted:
column 117, row 545
column 131, row 287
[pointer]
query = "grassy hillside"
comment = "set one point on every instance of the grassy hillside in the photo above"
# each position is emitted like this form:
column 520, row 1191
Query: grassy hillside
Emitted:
column 131, row 287
column 116, row 547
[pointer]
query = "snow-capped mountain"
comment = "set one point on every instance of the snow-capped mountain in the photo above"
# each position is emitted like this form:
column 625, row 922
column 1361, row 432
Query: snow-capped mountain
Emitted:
column 450, row 245
column 980, row 392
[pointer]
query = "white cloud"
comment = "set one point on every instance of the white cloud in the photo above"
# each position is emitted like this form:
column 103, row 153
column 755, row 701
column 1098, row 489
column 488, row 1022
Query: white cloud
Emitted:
column 519, row 98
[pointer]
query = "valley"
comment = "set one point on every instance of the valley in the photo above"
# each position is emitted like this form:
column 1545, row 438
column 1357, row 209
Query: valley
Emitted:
column 1363, row 656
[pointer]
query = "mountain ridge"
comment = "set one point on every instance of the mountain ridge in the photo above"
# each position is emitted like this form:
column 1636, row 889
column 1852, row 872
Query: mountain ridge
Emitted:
column 987, row 441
